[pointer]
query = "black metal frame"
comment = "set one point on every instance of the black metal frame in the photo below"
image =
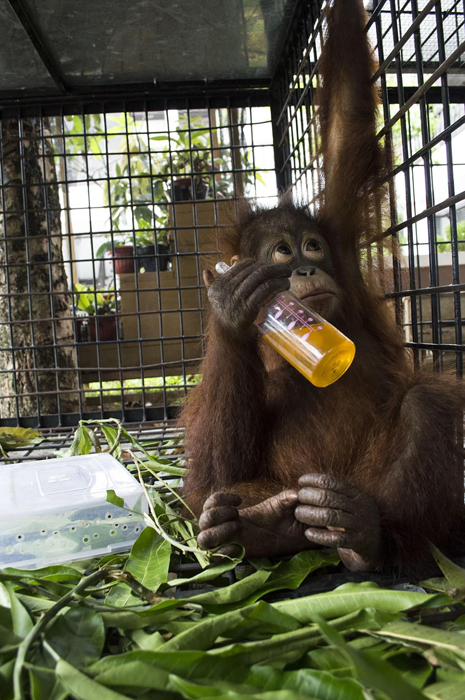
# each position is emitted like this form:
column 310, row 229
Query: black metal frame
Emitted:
column 431, row 43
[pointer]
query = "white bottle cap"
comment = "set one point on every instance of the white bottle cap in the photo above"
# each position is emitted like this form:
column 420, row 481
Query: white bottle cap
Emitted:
column 221, row 268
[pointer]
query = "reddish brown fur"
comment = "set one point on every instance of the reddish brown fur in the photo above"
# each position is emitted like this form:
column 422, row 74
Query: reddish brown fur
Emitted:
column 384, row 429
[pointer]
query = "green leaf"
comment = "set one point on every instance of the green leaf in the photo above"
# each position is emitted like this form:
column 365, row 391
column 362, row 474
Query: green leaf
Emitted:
column 195, row 665
column 81, row 686
column 147, row 642
column 351, row 597
column 148, row 562
column 164, row 466
column 209, row 574
column 423, row 635
column 22, row 623
column 372, row 670
column 454, row 574
column 135, row 674
column 47, row 573
column 149, row 559
column 203, row 635
column 111, row 436
column 298, row 641
column 287, row 575
column 13, row 438
column 81, row 444
column 78, row 635
column 329, row 659
column 114, row 499
column 6, row 680
column 8, row 638
column 94, row 440
column 240, row 592
column 45, row 685
column 415, row 669
column 449, row 690
column 319, row 684
column 263, row 619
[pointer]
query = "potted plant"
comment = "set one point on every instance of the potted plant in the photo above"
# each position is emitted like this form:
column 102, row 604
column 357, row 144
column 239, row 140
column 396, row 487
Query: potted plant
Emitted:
column 122, row 253
column 152, row 248
column 98, row 315
column 188, row 157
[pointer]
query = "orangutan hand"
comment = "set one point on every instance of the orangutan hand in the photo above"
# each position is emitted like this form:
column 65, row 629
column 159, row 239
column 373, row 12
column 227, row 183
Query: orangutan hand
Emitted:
column 265, row 530
column 237, row 296
column 341, row 516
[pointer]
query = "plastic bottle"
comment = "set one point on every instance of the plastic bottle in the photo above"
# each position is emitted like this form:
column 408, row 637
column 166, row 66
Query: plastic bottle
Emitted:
column 306, row 340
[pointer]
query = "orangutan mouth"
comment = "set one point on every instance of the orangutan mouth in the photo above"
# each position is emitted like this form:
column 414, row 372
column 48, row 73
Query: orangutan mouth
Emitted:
column 318, row 295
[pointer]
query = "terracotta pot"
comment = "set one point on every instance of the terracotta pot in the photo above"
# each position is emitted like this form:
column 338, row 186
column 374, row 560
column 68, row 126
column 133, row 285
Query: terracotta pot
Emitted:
column 123, row 256
column 106, row 327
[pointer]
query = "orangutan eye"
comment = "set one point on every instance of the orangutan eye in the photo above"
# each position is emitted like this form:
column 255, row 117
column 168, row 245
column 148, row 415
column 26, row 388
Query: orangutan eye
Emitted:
column 282, row 253
column 313, row 245
column 313, row 250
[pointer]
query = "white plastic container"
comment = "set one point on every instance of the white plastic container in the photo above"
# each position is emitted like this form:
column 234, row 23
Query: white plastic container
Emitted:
column 53, row 511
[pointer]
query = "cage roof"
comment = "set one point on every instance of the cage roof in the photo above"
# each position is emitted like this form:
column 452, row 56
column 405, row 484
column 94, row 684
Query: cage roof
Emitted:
column 52, row 47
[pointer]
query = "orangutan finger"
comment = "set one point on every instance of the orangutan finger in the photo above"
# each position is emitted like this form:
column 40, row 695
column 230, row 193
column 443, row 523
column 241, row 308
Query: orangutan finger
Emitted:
column 237, row 274
column 267, row 291
column 220, row 498
column 260, row 275
column 215, row 536
column 323, row 517
column 327, row 538
column 325, row 481
column 216, row 516
column 325, row 498
column 208, row 278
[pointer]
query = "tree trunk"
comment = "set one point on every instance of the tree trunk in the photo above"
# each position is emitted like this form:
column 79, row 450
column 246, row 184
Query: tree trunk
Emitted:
column 34, row 335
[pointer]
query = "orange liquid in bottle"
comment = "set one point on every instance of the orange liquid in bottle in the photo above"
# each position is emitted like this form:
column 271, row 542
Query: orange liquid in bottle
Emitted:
column 319, row 352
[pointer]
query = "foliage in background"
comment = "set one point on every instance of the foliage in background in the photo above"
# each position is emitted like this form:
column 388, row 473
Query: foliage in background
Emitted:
column 116, row 628
column 147, row 384
column 94, row 301
column 144, row 165
column 447, row 246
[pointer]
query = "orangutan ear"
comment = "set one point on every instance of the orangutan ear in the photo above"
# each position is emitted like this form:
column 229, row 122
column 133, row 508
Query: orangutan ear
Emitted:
column 208, row 278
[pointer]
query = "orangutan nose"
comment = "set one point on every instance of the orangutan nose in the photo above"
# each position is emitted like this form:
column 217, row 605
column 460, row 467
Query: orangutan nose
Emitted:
column 306, row 271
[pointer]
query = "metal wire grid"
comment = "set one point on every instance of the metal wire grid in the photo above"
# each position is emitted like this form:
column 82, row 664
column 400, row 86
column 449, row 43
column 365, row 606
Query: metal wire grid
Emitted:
column 82, row 151
column 421, row 50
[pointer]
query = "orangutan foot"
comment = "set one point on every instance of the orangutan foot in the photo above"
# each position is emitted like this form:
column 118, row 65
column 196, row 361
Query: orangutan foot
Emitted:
column 265, row 530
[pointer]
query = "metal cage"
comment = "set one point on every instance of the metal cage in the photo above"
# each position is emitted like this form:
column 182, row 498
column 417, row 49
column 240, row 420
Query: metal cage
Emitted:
column 113, row 203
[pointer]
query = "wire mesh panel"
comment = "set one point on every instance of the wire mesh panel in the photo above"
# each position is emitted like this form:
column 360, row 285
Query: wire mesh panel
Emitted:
column 108, row 217
column 421, row 49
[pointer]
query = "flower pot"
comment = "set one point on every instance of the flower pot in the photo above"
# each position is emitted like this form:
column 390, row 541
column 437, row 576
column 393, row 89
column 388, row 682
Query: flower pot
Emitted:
column 182, row 190
column 106, row 327
column 123, row 257
column 152, row 258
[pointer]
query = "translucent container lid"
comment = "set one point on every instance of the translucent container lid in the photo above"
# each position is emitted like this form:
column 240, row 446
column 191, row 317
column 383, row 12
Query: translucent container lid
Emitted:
column 55, row 510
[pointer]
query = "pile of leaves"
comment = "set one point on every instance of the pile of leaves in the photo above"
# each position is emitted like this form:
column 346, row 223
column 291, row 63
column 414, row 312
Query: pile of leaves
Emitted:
column 125, row 627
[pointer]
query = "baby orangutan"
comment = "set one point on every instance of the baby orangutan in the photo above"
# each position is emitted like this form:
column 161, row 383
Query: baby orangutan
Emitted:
column 369, row 465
